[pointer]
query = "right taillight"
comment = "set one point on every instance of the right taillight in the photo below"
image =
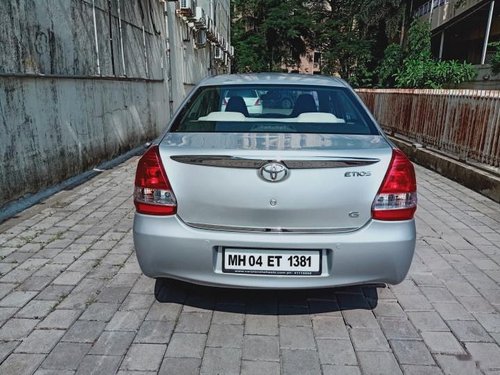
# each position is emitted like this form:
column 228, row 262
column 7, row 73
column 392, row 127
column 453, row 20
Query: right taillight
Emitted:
column 397, row 196
column 153, row 194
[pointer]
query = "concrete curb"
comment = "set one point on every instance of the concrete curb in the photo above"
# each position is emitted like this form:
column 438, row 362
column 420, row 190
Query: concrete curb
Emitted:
column 481, row 181
column 10, row 209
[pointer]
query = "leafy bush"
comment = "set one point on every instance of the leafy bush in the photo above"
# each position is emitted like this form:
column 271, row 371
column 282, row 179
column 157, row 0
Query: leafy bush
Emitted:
column 495, row 61
column 388, row 68
column 420, row 70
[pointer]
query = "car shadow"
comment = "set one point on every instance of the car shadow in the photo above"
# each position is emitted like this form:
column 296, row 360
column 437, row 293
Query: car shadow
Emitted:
column 267, row 302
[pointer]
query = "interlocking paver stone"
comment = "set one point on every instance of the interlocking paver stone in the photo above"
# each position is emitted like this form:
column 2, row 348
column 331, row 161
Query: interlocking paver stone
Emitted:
column 16, row 329
column 221, row 360
column 341, row 370
column 98, row 364
column 73, row 299
column 144, row 357
column 21, row 364
column 260, row 367
column 180, row 366
column 61, row 319
column 113, row 343
column 225, row 335
column 300, row 362
column 84, row 331
column 329, row 327
column 378, row 363
column 261, row 325
column 186, row 345
column 261, row 348
column 442, row 342
column 297, row 338
column 40, row 341
column 155, row 332
column 412, row 352
column 369, row 339
column 66, row 356
column 336, row 352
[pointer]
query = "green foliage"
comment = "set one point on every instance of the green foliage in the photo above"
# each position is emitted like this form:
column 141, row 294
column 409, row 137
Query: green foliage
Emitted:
column 353, row 37
column 389, row 66
column 419, row 41
column 495, row 61
column 267, row 33
column 420, row 70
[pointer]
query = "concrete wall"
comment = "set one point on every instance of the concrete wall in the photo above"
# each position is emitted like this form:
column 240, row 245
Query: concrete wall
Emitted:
column 74, row 92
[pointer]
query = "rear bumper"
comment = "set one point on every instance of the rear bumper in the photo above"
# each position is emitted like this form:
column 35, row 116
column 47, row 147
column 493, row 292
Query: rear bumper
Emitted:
column 380, row 252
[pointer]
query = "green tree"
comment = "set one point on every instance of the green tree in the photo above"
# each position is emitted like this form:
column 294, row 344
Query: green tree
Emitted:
column 352, row 35
column 268, row 33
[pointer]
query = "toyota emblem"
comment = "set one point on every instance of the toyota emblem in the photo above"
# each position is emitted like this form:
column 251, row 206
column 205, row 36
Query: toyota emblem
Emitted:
column 273, row 172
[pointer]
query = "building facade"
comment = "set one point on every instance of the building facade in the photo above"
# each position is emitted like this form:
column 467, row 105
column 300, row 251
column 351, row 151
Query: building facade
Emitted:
column 82, row 81
column 463, row 30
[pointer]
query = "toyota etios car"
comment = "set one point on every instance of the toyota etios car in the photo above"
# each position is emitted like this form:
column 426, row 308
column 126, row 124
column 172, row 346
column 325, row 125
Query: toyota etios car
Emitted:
column 304, row 197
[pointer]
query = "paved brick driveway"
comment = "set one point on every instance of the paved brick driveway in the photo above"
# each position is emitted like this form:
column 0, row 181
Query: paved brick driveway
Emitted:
column 73, row 300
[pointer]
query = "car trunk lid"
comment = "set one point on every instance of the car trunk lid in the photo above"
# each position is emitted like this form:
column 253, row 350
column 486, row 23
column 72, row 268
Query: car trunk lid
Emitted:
column 219, row 181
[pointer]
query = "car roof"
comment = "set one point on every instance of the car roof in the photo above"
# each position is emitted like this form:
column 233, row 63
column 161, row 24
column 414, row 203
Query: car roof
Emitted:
column 272, row 78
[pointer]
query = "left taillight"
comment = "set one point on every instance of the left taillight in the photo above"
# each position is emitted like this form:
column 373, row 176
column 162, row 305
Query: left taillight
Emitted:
column 153, row 194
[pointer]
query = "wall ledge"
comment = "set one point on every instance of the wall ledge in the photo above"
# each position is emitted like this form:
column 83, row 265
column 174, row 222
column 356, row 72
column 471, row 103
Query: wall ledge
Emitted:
column 475, row 178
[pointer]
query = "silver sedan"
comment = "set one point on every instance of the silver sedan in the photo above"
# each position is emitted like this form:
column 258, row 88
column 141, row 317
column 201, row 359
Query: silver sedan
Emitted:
column 307, row 196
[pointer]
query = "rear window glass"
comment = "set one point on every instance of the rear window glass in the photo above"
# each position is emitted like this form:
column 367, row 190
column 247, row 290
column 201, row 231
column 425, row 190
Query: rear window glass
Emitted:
column 241, row 92
column 273, row 108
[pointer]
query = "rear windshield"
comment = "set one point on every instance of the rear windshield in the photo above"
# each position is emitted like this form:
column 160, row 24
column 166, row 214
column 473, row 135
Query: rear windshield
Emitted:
column 274, row 109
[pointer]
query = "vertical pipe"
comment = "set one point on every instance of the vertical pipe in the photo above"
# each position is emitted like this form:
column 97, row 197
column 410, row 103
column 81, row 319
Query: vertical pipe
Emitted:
column 95, row 37
column 145, row 49
column 169, row 63
column 121, row 39
column 110, row 20
column 487, row 34
column 441, row 46
column 430, row 15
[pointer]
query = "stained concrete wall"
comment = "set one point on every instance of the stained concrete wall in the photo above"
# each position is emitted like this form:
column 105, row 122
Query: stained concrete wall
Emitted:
column 68, row 102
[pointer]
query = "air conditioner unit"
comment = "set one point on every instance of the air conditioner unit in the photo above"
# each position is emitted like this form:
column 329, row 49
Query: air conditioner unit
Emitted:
column 211, row 30
column 218, row 53
column 200, row 39
column 187, row 8
column 200, row 19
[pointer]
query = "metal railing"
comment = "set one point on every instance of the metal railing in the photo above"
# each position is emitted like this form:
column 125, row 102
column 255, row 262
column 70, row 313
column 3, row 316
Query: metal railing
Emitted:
column 462, row 123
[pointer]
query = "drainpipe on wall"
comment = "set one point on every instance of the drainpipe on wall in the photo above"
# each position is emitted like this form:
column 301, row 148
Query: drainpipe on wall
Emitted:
column 441, row 46
column 121, row 38
column 110, row 20
column 430, row 15
column 487, row 33
column 96, row 42
column 168, row 62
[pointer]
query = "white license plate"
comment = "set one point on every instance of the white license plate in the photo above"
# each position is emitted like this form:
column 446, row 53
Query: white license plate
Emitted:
column 273, row 262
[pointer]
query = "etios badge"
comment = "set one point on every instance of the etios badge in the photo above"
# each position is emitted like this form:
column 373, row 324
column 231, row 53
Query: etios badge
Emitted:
column 273, row 172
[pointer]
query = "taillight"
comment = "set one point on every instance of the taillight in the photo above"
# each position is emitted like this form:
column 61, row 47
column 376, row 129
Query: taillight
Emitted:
column 153, row 194
column 397, row 196
column 257, row 102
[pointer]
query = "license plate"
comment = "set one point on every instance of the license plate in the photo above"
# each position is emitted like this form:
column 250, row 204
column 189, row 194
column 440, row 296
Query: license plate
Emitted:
column 272, row 262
